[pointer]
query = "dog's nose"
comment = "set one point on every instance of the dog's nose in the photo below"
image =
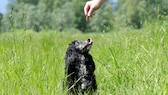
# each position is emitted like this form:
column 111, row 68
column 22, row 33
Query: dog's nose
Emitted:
column 90, row 41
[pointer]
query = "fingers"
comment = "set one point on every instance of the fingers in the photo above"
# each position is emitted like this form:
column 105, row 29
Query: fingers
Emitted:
column 86, row 8
column 90, row 12
column 88, row 17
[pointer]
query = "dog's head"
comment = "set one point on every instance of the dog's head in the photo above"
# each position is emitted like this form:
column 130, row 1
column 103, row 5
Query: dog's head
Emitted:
column 81, row 46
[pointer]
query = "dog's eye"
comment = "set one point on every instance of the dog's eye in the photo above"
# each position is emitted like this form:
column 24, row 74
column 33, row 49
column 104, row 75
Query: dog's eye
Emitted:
column 76, row 43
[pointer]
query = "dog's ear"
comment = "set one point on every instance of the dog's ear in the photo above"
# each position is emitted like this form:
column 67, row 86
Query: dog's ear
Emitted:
column 73, row 42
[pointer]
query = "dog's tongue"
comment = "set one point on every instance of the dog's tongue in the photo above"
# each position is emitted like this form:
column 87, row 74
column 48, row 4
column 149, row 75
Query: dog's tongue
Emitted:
column 90, row 41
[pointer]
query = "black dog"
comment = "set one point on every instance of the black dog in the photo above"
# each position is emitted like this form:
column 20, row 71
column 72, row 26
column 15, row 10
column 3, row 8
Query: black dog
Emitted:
column 79, row 68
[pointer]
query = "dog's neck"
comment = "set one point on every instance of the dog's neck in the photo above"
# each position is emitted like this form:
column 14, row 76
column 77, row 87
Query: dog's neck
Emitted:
column 83, row 59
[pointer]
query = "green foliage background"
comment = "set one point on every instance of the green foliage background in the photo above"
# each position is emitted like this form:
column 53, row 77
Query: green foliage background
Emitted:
column 60, row 15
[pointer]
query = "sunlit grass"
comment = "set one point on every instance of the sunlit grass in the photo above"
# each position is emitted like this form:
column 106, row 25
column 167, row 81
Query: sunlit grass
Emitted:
column 134, row 62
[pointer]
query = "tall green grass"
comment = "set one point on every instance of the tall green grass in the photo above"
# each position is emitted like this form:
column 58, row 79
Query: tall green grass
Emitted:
column 128, row 62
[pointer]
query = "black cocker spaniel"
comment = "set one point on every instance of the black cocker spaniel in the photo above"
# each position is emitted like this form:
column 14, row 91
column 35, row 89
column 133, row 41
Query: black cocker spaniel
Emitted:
column 79, row 68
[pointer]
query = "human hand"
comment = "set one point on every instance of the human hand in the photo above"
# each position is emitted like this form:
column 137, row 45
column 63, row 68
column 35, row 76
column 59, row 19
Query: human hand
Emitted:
column 91, row 6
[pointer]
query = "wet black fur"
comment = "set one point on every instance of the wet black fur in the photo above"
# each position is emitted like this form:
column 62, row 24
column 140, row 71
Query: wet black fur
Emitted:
column 74, row 74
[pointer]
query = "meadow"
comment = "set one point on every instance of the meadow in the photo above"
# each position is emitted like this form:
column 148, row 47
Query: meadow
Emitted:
column 128, row 61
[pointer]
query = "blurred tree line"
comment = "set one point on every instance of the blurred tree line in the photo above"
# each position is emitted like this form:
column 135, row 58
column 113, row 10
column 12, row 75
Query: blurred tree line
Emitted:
column 65, row 14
